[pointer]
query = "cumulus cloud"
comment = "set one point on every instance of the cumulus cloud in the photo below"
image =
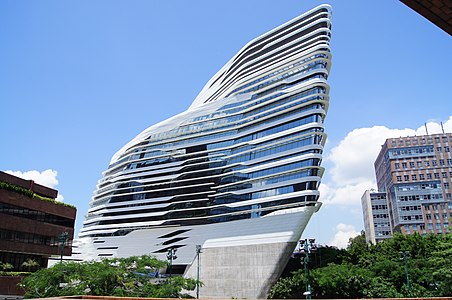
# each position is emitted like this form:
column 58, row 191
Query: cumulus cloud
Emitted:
column 47, row 178
column 354, row 156
column 352, row 160
column 344, row 233
column 435, row 127
column 345, row 194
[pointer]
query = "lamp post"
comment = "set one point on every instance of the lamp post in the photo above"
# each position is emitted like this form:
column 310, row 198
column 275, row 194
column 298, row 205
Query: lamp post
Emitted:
column 198, row 252
column 306, row 247
column 405, row 255
column 62, row 238
column 170, row 256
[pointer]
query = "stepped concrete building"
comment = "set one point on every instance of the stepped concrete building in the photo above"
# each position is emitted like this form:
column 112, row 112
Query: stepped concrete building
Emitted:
column 237, row 173
column 439, row 12
column 33, row 227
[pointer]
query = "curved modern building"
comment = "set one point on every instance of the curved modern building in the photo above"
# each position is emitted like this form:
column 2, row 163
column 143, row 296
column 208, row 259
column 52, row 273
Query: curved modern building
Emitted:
column 237, row 173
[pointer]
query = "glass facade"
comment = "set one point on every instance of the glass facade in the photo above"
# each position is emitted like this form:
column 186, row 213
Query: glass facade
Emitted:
column 250, row 144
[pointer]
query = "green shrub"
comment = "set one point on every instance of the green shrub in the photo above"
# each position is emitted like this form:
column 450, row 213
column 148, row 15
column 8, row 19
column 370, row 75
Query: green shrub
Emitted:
column 29, row 193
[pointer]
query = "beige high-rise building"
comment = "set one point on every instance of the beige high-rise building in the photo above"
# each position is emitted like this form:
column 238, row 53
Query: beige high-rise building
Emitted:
column 416, row 172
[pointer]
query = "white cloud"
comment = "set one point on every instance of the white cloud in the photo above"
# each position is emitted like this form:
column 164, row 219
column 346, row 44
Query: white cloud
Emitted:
column 435, row 127
column 347, row 194
column 343, row 234
column 46, row 178
column 352, row 160
column 354, row 156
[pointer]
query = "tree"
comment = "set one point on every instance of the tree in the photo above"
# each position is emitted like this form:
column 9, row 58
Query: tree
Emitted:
column 441, row 266
column 378, row 271
column 321, row 257
column 133, row 277
column 290, row 287
column 358, row 251
column 341, row 281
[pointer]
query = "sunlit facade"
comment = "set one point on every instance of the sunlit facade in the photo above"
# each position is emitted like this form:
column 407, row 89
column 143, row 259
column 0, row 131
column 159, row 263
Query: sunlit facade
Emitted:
column 237, row 173
column 375, row 216
column 415, row 172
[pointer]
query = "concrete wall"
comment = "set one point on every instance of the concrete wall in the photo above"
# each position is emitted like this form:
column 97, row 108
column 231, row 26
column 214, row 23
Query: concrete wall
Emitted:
column 241, row 271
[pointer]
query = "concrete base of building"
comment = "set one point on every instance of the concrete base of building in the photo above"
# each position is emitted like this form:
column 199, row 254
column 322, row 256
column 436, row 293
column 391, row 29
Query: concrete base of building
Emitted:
column 246, row 271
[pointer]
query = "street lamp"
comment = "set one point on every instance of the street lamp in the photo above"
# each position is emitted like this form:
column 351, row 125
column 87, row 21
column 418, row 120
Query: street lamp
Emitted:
column 307, row 246
column 405, row 255
column 170, row 256
column 62, row 238
column 198, row 252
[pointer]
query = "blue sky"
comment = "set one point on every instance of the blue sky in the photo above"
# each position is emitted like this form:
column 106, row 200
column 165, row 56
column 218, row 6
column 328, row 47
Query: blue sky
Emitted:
column 79, row 79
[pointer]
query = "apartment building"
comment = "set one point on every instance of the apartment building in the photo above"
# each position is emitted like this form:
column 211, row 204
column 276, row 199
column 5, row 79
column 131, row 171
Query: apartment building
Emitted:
column 376, row 216
column 415, row 173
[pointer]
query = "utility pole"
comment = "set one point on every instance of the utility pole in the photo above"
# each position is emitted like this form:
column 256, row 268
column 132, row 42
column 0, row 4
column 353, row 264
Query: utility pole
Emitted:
column 198, row 252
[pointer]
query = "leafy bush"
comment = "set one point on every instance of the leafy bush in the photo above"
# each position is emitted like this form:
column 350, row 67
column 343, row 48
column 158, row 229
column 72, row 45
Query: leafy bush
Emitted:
column 131, row 277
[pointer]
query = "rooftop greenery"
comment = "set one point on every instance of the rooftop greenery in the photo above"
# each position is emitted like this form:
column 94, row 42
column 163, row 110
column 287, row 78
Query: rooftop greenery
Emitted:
column 14, row 274
column 29, row 193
